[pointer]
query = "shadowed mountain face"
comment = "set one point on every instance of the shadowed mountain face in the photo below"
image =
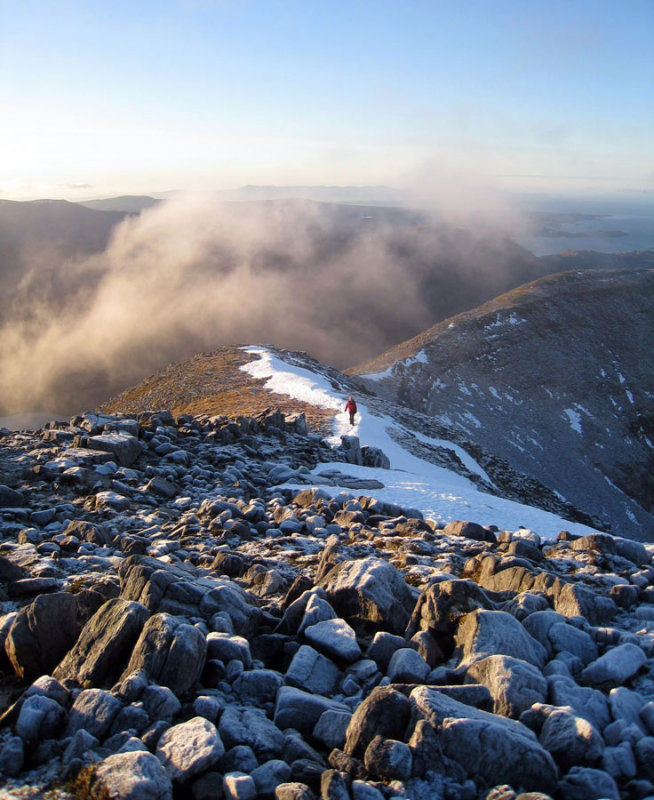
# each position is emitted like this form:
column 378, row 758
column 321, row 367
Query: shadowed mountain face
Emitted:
column 40, row 244
column 557, row 378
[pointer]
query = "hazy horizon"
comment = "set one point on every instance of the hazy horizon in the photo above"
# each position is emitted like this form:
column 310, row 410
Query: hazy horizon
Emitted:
column 106, row 100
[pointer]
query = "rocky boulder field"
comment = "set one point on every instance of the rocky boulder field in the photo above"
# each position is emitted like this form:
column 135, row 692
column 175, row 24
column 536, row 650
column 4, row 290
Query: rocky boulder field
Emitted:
column 176, row 622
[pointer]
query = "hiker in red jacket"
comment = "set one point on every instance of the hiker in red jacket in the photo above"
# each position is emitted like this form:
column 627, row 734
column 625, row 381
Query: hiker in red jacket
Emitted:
column 351, row 406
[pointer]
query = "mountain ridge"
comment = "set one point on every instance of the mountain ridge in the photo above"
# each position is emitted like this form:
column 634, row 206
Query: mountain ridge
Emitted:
column 556, row 377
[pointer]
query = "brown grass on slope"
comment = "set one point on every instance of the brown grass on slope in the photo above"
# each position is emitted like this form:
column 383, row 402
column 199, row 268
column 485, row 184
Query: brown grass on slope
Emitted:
column 213, row 384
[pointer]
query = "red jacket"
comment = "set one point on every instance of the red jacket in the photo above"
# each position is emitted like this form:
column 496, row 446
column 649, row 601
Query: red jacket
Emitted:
column 351, row 406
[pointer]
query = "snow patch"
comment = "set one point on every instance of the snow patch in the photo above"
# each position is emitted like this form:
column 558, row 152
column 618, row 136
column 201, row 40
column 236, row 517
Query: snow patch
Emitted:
column 283, row 378
column 379, row 376
column 512, row 319
column 468, row 417
column 574, row 418
column 440, row 494
column 466, row 459
column 420, row 358
column 515, row 320
column 630, row 514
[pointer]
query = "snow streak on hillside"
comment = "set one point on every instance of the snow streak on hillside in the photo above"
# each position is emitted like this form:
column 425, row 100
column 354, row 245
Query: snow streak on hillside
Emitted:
column 440, row 494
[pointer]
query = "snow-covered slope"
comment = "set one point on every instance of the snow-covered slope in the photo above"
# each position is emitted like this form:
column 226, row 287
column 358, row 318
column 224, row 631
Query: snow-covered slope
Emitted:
column 439, row 493
column 557, row 379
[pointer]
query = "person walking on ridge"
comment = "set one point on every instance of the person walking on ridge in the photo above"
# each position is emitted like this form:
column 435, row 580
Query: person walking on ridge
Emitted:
column 351, row 406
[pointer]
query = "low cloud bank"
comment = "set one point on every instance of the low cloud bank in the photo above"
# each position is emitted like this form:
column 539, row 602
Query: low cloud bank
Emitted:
column 341, row 282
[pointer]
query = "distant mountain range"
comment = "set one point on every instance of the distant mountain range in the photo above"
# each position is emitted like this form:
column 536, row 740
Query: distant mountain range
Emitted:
column 131, row 204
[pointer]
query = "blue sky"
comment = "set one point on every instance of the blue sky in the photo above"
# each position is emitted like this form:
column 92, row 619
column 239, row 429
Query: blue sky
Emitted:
column 102, row 98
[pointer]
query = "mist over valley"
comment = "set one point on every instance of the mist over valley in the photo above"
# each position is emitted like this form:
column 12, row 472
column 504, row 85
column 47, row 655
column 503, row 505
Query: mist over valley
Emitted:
column 94, row 299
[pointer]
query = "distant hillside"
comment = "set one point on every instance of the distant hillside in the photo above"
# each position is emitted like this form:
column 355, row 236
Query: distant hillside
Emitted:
column 67, row 228
column 557, row 377
column 38, row 241
column 132, row 204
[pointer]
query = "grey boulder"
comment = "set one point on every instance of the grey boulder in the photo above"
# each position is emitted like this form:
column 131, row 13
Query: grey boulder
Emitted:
column 586, row 783
column 485, row 633
column 301, row 710
column 41, row 634
column 39, row 718
column 496, row 749
column 171, row 652
column 335, row 638
column 93, row 711
column 124, row 447
column 571, row 740
column 384, row 712
column 189, row 749
column 313, row 672
column 615, row 667
column 515, row 685
column 104, row 645
column 241, row 725
column 369, row 591
column 136, row 775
